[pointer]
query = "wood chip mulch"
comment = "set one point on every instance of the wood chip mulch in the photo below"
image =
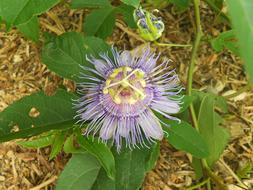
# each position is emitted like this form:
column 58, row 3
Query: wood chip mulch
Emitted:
column 22, row 73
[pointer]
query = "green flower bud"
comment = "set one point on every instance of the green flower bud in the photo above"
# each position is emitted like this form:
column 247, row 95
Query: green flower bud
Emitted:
column 150, row 27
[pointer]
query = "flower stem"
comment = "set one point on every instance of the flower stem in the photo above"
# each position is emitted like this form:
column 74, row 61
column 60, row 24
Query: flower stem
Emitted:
column 172, row 45
column 207, row 171
column 195, row 47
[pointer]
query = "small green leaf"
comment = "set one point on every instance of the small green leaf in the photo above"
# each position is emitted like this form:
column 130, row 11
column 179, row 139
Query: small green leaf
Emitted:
column 38, row 142
column 30, row 29
column 241, row 14
column 53, row 112
column 216, row 137
column 100, row 22
column 184, row 137
column 16, row 12
column 101, row 152
column 80, row 173
column 64, row 54
column 75, row 4
column 134, row 3
column 57, row 144
column 243, row 172
column 127, row 12
column 226, row 40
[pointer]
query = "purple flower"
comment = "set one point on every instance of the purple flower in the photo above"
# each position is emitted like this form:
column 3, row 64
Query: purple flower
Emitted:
column 120, row 96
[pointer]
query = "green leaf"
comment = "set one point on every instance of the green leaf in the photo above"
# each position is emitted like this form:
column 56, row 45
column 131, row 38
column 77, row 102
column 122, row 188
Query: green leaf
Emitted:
column 80, row 173
column 94, row 46
column 131, row 167
column 127, row 12
column 225, row 40
column 197, row 166
column 153, row 157
column 101, row 152
column 57, row 144
column 75, row 4
column 103, row 182
column 221, row 104
column 39, row 142
column 53, row 112
column 218, row 3
column 30, row 29
column 16, row 12
column 134, row 3
column 215, row 136
column 187, row 100
column 181, row 5
column 100, row 22
column 64, row 54
column 241, row 14
column 184, row 137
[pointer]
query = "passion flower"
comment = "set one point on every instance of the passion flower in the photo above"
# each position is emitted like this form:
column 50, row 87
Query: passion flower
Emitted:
column 123, row 95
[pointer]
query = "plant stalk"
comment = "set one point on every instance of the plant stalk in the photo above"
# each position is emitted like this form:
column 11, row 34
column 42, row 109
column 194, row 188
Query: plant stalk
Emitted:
column 207, row 171
column 172, row 45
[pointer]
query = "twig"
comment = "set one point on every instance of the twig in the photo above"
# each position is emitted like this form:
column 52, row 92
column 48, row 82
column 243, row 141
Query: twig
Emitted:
column 45, row 183
column 130, row 33
column 240, row 91
column 217, row 10
column 50, row 27
column 198, row 185
column 215, row 178
column 233, row 174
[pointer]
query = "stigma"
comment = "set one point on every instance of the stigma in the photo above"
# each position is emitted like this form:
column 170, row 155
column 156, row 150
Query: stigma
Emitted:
column 126, row 85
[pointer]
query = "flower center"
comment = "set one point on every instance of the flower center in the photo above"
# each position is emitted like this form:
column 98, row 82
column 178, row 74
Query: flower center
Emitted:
column 126, row 85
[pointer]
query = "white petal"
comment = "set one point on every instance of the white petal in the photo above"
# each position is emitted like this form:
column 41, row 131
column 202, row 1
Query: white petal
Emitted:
column 100, row 65
column 166, row 106
column 107, row 130
column 123, row 127
column 150, row 125
column 126, row 58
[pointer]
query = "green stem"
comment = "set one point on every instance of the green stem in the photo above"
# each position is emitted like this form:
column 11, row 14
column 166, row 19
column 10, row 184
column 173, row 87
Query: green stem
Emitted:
column 215, row 178
column 204, row 164
column 198, row 185
column 195, row 47
column 209, row 185
column 172, row 45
